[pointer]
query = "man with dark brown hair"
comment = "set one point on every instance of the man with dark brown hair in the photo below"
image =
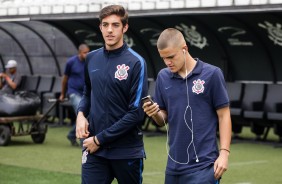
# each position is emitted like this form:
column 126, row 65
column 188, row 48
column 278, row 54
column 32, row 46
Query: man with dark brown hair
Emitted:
column 115, row 82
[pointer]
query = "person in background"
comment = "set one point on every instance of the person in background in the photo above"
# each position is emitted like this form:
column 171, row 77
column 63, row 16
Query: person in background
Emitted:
column 11, row 80
column 72, row 84
column 115, row 82
column 191, row 97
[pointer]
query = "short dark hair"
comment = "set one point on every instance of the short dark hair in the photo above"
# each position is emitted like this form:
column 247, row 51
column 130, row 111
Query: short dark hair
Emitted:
column 114, row 10
column 170, row 37
column 82, row 46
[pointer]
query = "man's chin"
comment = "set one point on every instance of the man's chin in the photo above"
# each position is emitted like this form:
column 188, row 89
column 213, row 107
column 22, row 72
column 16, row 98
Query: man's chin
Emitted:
column 173, row 70
column 110, row 43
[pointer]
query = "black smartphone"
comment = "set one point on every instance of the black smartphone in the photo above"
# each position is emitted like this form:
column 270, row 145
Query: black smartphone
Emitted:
column 147, row 99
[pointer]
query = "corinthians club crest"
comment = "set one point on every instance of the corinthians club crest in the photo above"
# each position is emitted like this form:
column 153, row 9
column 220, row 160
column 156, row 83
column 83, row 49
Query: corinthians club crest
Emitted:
column 198, row 86
column 121, row 73
column 274, row 32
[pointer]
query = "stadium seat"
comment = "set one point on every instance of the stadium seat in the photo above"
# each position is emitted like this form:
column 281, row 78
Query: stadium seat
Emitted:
column 63, row 109
column 256, row 2
column 208, row 3
column 94, row 7
column 192, row 3
column 54, row 94
column 242, row 2
column 44, row 86
column 29, row 83
column 151, row 87
column 151, row 92
column 224, row 2
column 134, row 5
column 177, row 4
column 163, row 4
column 274, row 1
column 252, row 106
column 32, row 7
column 273, row 107
column 235, row 93
column 66, row 110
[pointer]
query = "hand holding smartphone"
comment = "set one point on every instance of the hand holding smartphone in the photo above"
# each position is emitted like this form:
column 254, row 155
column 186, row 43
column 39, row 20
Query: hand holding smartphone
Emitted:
column 147, row 99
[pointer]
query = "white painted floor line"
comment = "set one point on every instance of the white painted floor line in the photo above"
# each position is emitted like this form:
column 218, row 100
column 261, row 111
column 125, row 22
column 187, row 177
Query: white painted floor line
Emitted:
column 249, row 163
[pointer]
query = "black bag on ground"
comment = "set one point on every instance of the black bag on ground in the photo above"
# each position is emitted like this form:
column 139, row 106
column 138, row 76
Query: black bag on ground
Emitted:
column 22, row 103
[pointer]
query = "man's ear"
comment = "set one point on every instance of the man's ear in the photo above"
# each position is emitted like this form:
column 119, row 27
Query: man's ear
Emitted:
column 125, row 28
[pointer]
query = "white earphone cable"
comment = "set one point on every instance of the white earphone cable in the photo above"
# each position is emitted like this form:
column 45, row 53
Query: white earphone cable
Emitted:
column 190, row 128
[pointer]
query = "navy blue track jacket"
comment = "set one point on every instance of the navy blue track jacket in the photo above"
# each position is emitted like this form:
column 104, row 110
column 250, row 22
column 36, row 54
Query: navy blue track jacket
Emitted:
column 115, row 82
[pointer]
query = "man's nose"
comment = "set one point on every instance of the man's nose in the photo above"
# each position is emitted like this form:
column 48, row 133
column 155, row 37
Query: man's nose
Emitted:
column 109, row 28
column 167, row 61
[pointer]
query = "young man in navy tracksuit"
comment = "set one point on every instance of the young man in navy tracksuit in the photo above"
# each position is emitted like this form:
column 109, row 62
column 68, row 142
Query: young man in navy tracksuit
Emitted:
column 110, row 113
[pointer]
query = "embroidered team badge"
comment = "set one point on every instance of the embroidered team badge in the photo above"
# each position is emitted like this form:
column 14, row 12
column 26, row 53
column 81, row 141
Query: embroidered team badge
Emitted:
column 198, row 86
column 121, row 73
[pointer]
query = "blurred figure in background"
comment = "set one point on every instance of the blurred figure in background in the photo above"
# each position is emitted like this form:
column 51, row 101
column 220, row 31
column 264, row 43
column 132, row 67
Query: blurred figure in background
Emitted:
column 11, row 80
column 72, row 84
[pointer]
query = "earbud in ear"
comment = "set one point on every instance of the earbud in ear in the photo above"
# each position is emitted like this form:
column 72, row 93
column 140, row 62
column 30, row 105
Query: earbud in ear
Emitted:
column 184, row 51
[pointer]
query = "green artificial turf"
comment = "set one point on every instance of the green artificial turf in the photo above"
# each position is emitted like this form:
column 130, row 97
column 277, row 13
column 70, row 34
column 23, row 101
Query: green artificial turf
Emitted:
column 56, row 162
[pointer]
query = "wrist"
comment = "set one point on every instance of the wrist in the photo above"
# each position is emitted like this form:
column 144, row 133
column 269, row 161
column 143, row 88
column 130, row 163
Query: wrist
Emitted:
column 96, row 141
column 225, row 150
column 156, row 114
column 80, row 113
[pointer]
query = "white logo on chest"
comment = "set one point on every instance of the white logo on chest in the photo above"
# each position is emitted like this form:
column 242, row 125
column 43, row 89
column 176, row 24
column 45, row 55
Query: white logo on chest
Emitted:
column 198, row 86
column 121, row 73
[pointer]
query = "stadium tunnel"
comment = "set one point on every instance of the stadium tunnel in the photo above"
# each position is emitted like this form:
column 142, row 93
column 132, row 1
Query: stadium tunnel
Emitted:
column 246, row 46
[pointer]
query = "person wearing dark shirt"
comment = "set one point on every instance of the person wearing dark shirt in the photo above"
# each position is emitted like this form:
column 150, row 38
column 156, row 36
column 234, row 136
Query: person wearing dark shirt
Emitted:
column 115, row 82
column 191, row 97
column 73, row 82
